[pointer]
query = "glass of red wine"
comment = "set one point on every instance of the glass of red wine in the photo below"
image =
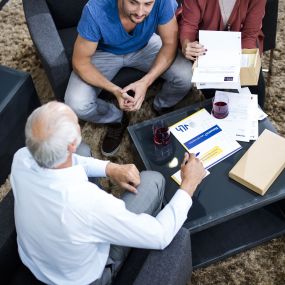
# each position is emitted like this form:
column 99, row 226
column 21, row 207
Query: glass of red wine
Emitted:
column 161, row 133
column 220, row 105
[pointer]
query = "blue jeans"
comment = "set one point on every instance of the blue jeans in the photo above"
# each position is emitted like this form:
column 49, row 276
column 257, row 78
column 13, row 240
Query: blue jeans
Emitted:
column 83, row 98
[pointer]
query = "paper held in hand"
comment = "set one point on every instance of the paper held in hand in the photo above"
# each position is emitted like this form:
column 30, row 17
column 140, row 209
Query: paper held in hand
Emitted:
column 225, row 65
column 220, row 66
column 200, row 134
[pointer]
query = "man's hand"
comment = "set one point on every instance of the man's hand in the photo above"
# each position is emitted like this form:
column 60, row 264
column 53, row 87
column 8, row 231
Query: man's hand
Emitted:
column 192, row 50
column 192, row 173
column 139, row 88
column 125, row 101
column 126, row 175
column 83, row 66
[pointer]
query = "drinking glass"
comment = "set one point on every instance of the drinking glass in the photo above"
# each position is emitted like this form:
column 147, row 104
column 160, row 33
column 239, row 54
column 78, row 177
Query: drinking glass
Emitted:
column 220, row 105
column 161, row 133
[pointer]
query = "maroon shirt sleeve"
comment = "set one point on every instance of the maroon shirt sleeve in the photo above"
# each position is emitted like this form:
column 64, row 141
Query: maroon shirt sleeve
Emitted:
column 191, row 17
column 253, row 23
column 206, row 15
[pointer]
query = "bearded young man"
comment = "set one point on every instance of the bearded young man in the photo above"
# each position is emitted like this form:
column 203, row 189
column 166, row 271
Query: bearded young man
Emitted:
column 119, row 33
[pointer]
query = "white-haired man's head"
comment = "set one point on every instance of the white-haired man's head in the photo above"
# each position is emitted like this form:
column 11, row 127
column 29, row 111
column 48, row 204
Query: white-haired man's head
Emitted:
column 50, row 131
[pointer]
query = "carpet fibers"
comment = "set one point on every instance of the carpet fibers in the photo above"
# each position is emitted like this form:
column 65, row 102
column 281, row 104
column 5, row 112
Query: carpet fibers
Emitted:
column 264, row 264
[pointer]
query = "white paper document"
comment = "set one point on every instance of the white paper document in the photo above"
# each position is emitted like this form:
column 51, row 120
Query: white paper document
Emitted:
column 218, row 85
column 223, row 49
column 177, row 176
column 200, row 134
column 260, row 113
column 241, row 123
column 220, row 66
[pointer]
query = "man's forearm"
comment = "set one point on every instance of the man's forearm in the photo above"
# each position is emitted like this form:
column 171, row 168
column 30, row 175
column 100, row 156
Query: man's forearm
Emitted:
column 90, row 74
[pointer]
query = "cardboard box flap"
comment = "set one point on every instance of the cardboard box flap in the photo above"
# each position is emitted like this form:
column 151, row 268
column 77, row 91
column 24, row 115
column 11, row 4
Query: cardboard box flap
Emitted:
column 249, row 74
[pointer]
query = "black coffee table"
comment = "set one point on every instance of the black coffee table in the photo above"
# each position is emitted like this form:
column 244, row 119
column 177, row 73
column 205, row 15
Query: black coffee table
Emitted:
column 226, row 217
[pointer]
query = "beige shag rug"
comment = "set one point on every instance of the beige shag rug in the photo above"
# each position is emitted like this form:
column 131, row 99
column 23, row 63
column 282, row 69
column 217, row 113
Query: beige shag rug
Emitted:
column 264, row 264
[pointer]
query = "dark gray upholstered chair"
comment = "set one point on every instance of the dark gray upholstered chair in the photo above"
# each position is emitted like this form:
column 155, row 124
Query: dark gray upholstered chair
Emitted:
column 269, row 28
column 171, row 266
column 52, row 25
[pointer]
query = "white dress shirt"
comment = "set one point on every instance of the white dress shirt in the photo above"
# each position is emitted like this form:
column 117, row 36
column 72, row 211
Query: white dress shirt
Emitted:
column 65, row 224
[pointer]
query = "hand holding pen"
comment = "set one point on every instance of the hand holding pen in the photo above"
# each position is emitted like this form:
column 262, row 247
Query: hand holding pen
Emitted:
column 192, row 173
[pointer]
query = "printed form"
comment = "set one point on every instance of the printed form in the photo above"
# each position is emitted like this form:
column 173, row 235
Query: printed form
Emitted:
column 220, row 66
column 200, row 134
column 242, row 122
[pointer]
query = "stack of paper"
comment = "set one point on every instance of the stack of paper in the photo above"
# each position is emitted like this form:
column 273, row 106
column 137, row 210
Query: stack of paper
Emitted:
column 220, row 67
column 242, row 122
column 200, row 134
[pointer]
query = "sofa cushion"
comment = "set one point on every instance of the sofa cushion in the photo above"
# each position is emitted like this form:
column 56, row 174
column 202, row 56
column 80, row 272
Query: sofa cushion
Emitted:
column 68, row 37
column 9, row 259
column 66, row 13
column 24, row 276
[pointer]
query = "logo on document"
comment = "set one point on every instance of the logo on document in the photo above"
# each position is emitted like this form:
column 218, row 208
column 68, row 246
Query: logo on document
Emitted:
column 182, row 128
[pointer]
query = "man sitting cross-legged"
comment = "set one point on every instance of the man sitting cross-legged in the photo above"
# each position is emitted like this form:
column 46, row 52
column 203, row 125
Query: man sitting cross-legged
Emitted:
column 121, row 33
column 69, row 231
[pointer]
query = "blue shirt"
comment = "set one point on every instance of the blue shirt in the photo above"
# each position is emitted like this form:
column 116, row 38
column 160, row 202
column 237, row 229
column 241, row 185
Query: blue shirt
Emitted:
column 100, row 23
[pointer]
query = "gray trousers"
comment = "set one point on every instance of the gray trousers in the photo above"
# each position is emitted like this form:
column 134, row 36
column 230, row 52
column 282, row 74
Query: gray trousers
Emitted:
column 148, row 200
column 83, row 98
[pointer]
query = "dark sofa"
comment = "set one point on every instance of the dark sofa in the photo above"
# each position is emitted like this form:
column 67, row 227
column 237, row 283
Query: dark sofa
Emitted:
column 172, row 266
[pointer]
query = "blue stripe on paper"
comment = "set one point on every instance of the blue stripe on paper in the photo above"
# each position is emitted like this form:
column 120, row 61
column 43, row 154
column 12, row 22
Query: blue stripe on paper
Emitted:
column 203, row 136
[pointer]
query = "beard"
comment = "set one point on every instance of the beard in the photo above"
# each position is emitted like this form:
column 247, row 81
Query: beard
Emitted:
column 133, row 18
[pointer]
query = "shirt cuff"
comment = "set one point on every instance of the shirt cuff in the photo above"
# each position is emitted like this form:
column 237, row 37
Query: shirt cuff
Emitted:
column 101, row 167
column 182, row 198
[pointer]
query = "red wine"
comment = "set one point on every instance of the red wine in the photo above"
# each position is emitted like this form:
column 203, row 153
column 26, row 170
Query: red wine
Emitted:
column 220, row 110
column 161, row 136
column 220, row 104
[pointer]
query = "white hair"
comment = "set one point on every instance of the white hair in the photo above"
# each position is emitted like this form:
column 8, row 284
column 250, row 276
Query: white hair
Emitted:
column 50, row 129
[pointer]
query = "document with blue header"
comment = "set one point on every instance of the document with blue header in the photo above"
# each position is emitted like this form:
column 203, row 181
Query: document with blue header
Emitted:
column 199, row 133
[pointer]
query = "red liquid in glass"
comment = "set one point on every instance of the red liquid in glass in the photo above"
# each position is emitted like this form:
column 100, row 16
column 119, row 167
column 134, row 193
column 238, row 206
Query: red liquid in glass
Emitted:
column 161, row 136
column 220, row 110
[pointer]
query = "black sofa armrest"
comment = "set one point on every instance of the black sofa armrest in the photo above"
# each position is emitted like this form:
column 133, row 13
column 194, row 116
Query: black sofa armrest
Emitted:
column 171, row 266
column 9, row 258
column 48, row 44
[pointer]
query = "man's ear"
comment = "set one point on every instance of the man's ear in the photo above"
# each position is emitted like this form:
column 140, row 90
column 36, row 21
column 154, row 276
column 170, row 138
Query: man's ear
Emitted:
column 72, row 147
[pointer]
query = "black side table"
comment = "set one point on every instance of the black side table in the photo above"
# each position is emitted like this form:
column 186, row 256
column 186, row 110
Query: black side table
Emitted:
column 18, row 98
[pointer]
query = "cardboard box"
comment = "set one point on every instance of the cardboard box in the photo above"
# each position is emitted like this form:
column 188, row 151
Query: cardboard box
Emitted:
column 249, row 75
column 262, row 163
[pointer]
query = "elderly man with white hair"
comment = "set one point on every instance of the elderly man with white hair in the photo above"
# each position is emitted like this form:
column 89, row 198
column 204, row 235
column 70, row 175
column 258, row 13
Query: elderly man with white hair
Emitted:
column 69, row 231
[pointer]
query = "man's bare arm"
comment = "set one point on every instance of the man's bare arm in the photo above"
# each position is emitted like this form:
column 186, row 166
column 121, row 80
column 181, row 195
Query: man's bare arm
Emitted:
column 81, row 60
column 163, row 60
column 169, row 37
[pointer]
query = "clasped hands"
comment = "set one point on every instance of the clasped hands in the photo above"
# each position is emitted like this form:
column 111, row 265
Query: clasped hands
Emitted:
column 131, row 103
